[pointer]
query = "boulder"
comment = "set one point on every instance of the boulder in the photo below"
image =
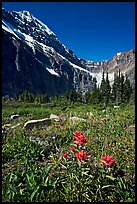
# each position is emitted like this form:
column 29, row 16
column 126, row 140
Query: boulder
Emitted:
column 116, row 106
column 13, row 117
column 89, row 114
column 63, row 116
column 54, row 117
column 131, row 129
column 17, row 125
column 37, row 123
column 36, row 139
column 103, row 110
column 74, row 118
column 46, row 143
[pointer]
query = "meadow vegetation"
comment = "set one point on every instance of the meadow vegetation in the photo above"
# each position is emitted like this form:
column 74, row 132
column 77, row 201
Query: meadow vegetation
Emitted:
column 92, row 160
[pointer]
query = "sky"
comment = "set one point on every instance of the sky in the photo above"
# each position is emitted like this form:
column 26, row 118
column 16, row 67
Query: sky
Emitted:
column 94, row 31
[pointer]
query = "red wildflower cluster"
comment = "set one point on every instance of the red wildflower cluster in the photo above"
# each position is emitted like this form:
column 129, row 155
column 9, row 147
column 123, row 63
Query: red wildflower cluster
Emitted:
column 79, row 138
column 81, row 156
column 66, row 155
column 73, row 148
column 107, row 160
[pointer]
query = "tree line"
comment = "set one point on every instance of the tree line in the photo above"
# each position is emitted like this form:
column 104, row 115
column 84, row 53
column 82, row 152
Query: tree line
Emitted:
column 121, row 92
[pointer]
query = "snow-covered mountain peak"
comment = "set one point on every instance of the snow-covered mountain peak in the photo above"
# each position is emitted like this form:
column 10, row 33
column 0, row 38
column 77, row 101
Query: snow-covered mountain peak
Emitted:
column 118, row 54
column 27, row 17
column 26, row 13
column 22, row 13
column 23, row 23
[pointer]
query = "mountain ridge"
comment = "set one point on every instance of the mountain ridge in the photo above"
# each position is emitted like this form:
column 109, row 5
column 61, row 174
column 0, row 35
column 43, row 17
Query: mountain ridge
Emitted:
column 41, row 63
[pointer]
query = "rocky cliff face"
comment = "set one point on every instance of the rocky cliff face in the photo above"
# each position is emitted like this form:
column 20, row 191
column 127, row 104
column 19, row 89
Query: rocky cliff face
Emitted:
column 34, row 59
column 125, row 61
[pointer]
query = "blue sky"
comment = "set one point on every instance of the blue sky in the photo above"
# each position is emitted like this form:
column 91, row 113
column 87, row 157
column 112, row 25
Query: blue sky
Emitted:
column 92, row 30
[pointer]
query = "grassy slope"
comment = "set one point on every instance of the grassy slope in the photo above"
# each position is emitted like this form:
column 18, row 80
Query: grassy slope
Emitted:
column 106, row 134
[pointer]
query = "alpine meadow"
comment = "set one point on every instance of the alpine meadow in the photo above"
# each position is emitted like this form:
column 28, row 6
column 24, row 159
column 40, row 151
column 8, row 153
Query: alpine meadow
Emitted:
column 68, row 124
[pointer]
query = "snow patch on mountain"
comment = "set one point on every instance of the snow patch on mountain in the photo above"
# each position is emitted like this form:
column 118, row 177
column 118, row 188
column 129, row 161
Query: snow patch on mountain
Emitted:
column 8, row 27
column 80, row 68
column 119, row 53
column 53, row 72
column 28, row 37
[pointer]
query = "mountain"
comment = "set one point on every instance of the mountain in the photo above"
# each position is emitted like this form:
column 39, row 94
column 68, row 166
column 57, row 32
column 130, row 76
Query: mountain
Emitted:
column 34, row 59
column 125, row 61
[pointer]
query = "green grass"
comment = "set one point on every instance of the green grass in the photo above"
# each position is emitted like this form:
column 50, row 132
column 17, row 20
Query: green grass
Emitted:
column 34, row 174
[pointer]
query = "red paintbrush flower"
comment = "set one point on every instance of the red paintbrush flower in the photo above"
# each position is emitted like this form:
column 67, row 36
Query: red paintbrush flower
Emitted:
column 77, row 134
column 107, row 160
column 73, row 148
column 66, row 155
column 79, row 138
column 81, row 156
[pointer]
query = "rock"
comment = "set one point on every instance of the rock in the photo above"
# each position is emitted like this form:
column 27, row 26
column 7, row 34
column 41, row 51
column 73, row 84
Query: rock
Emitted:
column 3, row 134
column 37, row 123
column 46, row 144
column 89, row 114
column 36, row 139
column 6, row 125
column 17, row 125
column 116, row 106
column 13, row 117
column 77, row 119
column 9, row 129
column 3, row 130
column 63, row 116
column 131, row 129
column 54, row 117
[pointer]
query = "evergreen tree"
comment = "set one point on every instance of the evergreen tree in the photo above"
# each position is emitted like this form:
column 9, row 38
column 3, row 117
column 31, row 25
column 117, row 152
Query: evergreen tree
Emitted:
column 116, row 94
column 118, row 91
column 87, row 97
column 67, row 95
column 103, row 88
column 132, row 97
column 108, row 90
column 95, row 95
column 122, row 99
column 121, row 89
column 127, row 90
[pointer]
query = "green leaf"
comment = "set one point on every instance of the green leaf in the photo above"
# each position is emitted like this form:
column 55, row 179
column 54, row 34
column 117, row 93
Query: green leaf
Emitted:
column 130, row 200
column 33, row 194
column 21, row 191
column 28, row 178
column 46, row 181
column 85, row 169
column 63, row 166
column 76, row 178
column 55, row 182
column 107, row 186
column 47, row 169
column 111, row 177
